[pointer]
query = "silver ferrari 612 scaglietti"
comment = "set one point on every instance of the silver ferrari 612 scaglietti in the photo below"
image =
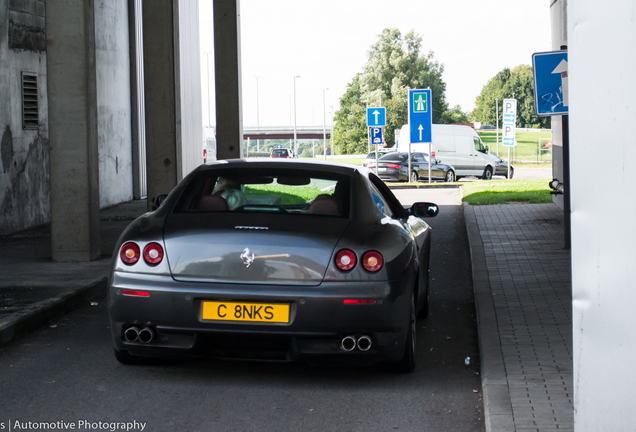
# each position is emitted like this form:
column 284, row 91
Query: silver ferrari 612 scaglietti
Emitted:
column 273, row 260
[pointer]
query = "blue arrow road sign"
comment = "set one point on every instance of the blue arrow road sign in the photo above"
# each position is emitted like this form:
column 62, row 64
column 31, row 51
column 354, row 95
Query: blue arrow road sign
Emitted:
column 420, row 116
column 376, row 117
column 376, row 135
column 550, row 82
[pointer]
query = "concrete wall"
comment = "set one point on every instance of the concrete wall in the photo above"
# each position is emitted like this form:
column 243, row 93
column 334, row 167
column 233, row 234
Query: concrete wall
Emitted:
column 25, row 158
column 602, row 47
column 113, row 101
column 24, row 161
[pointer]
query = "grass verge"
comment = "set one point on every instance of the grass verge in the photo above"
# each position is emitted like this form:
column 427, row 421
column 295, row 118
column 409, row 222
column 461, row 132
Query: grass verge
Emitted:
column 514, row 191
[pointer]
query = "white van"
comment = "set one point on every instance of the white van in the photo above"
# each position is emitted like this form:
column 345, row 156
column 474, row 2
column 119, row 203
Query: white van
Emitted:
column 455, row 145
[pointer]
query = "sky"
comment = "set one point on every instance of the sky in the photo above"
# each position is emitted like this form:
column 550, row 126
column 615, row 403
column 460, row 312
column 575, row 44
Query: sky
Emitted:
column 326, row 42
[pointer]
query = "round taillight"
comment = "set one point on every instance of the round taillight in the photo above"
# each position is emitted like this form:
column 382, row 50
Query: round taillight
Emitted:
column 129, row 253
column 346, row 260
column 372, row 261
column 153, row 253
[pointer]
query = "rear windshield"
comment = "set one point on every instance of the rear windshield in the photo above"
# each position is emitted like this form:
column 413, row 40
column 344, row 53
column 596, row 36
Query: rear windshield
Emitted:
column 280, row 152
column 394, row 157
column 265, row 190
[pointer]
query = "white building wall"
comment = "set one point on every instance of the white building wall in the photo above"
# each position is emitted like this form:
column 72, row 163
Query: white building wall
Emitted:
column 24, row 153
column 602, row 65
column 113, row 101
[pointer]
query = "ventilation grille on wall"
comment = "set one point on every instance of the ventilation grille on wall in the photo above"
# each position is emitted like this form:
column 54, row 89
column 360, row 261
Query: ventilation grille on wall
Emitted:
column 29, row 100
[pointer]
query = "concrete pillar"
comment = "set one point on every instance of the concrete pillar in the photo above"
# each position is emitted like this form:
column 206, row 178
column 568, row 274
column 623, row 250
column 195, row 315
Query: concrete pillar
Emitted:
column 558, row 15
column 138, row 112
column 227, row 70
column 72, row 92
column 162, row 98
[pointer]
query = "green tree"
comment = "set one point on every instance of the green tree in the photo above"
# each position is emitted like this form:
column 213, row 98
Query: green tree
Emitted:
column 504, row 85
column 394, row 65
column 350, row 128
column 455, row 115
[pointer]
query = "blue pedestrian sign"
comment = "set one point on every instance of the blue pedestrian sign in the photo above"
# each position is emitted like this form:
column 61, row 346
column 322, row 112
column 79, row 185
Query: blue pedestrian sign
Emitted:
column 420, row 116
column 376, row 117
column 550, row 83
column 376, row 135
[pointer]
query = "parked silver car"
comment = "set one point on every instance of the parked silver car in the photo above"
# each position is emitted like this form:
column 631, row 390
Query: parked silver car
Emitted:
column 276, row 260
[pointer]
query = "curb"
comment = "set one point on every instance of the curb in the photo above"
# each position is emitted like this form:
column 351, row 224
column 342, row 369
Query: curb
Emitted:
column 51, row 310
column 427, row 186
column 497, row 405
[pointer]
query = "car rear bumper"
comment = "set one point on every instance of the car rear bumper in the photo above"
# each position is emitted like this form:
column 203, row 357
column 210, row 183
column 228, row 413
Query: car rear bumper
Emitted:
column 319, row 319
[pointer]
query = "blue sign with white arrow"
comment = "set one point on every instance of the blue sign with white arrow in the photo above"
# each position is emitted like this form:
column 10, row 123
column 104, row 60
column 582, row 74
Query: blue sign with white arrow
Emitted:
column 420, row 116
column 376, row 117
column 550, row 82
column 376, row 135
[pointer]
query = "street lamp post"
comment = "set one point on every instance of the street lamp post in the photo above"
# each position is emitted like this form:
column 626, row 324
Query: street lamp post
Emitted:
column 368, row 136
column 331, row 136
column 324, row 124
column 497, row 109
column 258, row 142
column 295, row 145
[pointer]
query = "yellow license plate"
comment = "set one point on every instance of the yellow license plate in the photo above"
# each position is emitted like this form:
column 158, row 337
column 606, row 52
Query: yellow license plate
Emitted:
column 247, row 312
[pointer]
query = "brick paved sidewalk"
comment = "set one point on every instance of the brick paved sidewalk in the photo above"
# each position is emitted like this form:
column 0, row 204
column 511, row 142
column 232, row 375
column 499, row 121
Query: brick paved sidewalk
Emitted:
column 522, row 284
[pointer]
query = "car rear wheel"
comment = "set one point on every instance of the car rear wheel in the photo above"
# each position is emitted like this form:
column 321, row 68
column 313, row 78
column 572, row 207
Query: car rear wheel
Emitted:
column 413, row 176
column 450, row 176
column 512, row 172
column 407, row 363
column 487, row 173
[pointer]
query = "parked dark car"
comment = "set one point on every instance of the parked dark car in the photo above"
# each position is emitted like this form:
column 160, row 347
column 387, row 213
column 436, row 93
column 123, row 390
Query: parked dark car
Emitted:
column 281, row 153
column 487, row 127
column 395, row 167
column 501, row 169
column 369, row 161
column 273, row 260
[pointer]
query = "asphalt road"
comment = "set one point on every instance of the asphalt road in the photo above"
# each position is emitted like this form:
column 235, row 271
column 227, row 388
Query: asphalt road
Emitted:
column 69, row 373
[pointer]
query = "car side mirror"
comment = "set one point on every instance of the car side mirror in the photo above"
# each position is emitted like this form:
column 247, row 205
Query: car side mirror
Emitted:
column 424, row 209
column 158, row 200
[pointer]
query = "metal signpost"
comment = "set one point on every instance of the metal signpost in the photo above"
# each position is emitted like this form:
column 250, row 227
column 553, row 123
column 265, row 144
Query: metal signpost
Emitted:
column 376, row 119
column 509, row 126
column 421, row 122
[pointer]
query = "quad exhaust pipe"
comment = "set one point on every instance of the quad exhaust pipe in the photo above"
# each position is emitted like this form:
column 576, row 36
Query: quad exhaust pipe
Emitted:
column 134, row 334
column 349, row 343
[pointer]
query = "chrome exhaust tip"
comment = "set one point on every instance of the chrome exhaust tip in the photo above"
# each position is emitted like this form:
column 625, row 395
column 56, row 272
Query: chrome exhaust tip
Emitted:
column 364, row 343
column 146, row 335
column 348, row 343
column 131, row 334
